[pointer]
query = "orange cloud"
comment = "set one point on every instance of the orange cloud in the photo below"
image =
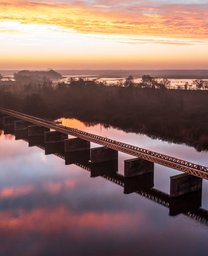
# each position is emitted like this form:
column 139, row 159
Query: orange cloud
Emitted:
column 105, row 34
column 140, row 19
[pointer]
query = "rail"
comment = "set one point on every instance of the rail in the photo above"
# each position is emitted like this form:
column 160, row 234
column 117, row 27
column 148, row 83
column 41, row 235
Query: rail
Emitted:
column 155, row 157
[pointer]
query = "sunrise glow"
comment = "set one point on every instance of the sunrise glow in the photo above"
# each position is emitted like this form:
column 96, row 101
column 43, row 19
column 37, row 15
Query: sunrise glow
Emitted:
column 103, row 34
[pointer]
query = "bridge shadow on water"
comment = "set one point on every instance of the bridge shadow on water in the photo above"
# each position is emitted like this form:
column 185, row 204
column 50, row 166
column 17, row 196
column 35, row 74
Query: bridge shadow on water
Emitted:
column 185, row 190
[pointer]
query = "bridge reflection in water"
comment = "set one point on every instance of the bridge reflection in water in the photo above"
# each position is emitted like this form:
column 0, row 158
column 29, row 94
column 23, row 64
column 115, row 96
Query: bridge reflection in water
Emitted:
column 185, row 190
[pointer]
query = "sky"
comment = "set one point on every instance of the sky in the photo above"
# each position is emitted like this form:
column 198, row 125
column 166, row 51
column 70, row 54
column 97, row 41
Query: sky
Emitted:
column 104, row 34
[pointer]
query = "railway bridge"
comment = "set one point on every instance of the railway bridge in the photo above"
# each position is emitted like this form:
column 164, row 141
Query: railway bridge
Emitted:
column 142, row 153
column 185, row 189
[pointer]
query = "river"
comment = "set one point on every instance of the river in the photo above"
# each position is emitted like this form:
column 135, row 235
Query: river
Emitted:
column 48, row 208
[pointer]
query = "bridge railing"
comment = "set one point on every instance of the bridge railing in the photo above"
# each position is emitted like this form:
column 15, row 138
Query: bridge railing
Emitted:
column 172, row 162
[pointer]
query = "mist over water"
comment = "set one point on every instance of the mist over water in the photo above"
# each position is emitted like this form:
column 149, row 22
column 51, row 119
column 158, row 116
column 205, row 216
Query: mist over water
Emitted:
column 178, row 78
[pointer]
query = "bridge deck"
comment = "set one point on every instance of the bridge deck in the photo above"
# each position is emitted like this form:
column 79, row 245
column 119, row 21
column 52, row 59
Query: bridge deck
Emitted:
column 162, row 159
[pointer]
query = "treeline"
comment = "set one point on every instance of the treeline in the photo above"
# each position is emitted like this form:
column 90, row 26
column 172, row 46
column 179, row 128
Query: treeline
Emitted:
column 175, row 115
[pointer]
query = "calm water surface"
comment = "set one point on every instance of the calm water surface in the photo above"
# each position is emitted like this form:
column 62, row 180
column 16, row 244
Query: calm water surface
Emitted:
column 47, row 208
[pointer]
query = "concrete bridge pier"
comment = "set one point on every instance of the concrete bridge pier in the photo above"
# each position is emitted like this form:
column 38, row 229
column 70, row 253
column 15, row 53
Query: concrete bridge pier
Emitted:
column 139, row 175
column 54, row 142
column 103, row 168
column 36, row 135
column 185, row 193
column 21, row 130
column 1, row 120
column 103, row 161
column 76, row 151
column 8, row 124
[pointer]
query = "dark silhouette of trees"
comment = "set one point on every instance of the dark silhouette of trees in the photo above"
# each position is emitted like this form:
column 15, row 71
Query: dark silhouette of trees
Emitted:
column 129, row 82
column 186, row 85
column 199, row 83
column 175, row 115
column 34, row 104
column 164, row 83
column 148, row 81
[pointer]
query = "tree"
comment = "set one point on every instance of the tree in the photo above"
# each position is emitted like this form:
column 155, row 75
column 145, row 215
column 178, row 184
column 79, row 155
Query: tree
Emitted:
column 166, row 82
column 199, row 83
column 129, row 82
column 186, row 85
column 120, row 83
column 148, row 81
column 205, row 84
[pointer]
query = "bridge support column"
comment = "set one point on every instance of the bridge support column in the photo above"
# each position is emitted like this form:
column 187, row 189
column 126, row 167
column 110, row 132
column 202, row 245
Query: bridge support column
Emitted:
column 21, row 130
column 54, row 142
column 102, row 154
column 185, row 193
column 1, row 120
column 36, row 135
column 103, row 161
column 137, row 167
column 8, row 124
column 139, row 175
column 76, row 151
column 108, row 167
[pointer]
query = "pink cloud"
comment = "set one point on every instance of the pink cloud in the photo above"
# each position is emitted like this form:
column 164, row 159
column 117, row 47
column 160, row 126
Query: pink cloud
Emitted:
column 11, row 192
column 40, row 220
